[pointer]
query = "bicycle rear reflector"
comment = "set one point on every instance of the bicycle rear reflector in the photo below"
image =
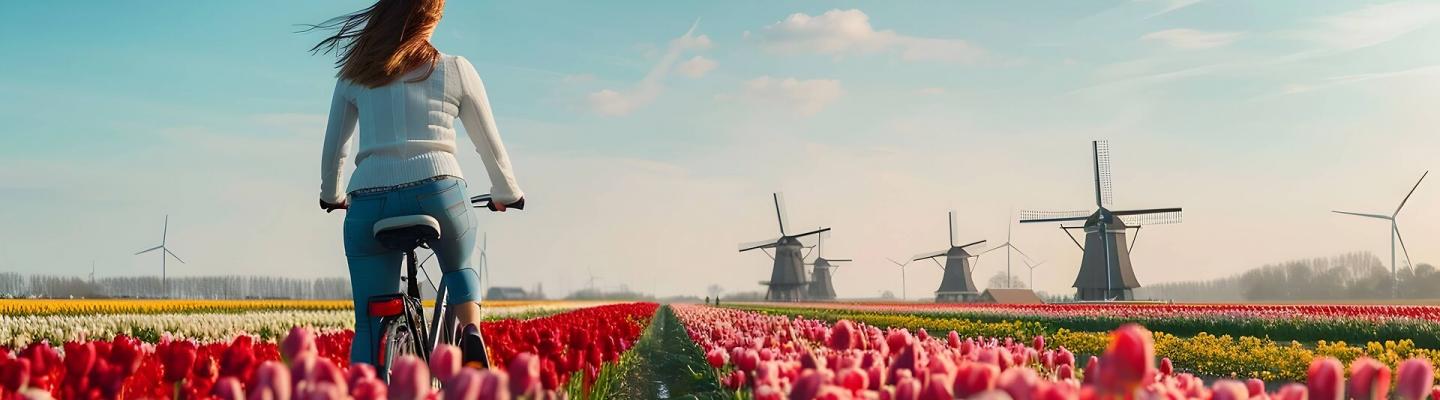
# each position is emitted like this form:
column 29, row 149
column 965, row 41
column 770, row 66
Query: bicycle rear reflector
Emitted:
column 387, row 307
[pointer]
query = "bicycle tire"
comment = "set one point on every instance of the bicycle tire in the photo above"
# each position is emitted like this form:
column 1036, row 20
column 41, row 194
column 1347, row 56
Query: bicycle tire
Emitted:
column 396, row 340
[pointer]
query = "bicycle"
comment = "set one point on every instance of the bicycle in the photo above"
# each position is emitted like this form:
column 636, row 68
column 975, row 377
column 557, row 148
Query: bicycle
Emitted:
column 403, row 327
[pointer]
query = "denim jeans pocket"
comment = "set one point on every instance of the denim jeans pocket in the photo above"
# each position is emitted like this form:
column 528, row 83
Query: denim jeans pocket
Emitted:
column 451, row 207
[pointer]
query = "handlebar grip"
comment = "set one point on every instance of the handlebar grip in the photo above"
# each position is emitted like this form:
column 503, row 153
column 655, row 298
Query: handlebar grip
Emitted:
column 485, row 201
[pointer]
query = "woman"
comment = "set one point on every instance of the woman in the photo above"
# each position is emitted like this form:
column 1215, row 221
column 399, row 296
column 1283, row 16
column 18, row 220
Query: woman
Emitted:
column 406, row 95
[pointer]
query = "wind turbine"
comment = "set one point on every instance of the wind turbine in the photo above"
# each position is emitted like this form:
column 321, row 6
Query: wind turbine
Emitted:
column 164, row 251
column 902, row 277
column 1008, row 247
column 1394, row 234
column 1032, row 271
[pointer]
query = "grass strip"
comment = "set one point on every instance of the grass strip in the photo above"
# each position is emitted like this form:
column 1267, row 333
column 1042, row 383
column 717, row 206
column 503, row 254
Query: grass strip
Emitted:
column 664, row 364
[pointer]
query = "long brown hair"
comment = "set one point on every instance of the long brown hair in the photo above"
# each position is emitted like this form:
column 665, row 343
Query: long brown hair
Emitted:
column 381, row 42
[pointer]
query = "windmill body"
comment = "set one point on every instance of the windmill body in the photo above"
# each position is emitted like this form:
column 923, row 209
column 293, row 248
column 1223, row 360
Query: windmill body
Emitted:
column 821, row 287
column 957, row 284
column 1105, row 269
column 787, row 276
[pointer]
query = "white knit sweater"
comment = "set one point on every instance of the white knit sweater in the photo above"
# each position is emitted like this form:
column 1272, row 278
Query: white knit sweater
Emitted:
column 407, row 131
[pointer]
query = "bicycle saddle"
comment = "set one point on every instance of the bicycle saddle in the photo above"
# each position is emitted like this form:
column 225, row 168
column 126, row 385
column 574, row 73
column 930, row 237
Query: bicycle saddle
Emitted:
column 406, row 232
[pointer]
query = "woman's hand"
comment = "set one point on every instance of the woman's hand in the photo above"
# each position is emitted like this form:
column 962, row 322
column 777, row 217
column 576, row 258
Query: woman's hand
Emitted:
column 518, row 204
column 328, row 207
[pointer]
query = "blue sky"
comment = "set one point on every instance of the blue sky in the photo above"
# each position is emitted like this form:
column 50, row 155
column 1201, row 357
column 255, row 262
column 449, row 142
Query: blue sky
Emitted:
column 649, row 152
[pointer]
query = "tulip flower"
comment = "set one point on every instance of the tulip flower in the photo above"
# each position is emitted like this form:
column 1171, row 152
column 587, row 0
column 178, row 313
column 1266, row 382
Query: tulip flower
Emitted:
column 299, row 341
column 1293, row 391
column 525, row 375
column 1369, row 379
column 1326, row 379
column 15, row 375
column 409, row 380
column 273, row 379
column 228, row 388
column 445, row 362
column 178, row 360
column 1129, row 356
column 1416, row 377
column 370, row 389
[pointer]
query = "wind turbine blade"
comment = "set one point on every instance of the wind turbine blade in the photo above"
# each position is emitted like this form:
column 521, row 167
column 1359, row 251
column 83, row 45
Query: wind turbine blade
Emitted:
column 1412, row 191
column 1363, row 215
column 933, row 254
column 1017, row 250
column 892, row 261
column 165, row 233
column 992, row 249
column 1402, row 245
column 150, row 249
column 172, row 254
column 758, row 244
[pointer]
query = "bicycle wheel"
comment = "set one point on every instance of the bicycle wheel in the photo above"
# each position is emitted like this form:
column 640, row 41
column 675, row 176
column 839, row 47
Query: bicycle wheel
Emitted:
column 397, row 339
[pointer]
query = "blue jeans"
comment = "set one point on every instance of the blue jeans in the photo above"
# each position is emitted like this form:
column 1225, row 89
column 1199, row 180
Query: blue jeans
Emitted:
column 375, row 270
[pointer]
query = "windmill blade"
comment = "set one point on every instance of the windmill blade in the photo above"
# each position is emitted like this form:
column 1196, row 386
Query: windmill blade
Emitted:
column 1151, row 217
column 1104, row 196
column 817, row 231
column 1402, row 244
column 172, row 254
column 1407, row 196
column 952, row 227
column 993, row 249
column 1029, row 216
column 780, row 216
column 150, row 249
column 1363, row 214
column 929, row 255
column 758, row 245
column 977, row 242
column 839, row 260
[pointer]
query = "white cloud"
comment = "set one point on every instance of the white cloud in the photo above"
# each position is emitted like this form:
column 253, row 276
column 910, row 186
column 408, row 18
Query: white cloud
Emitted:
column 848, row 32
column 805, row 97
column 1372, row 25
column 1192, row 39
column 696, row 67
column 612, row 102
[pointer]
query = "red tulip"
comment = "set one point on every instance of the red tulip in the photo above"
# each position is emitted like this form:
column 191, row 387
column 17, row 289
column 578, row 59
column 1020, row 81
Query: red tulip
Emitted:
column 79, row 358
column 179, row 359
column 359, row 372
column 1369, row 379
column 1326, row 379
column 843, row 335
column 1166, row 367
column 716, row 358
column 1416, row 376
column 16, row 375
column 125, row 353
column 1019, row 383
column 1038, row 343
column 1129, row 356
column 1254, row 387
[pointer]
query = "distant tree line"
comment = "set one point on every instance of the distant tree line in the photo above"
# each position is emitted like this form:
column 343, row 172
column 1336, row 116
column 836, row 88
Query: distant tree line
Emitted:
column 1350, row 276
column 190, row 287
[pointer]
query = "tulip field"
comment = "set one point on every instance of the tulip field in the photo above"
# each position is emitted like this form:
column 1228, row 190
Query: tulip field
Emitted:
column 888, row 351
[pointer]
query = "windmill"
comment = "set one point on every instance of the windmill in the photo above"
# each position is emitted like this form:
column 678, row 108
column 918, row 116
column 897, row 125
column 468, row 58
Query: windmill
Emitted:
column 1105, row 270
column 1009, row 248
column 164, row 254
column 1394, row 234
column 957, row 284
column 787, row 277
column 902, row 276
column 821, row 287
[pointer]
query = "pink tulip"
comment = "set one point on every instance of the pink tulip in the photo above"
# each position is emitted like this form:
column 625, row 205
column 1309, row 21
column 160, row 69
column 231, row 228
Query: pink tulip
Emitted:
column 1039, row 343
column 445, row 362
column 1293, row 391
column 1092, row 370
column 1018, row 382
column 321, row 391
column 1065, row 372
column 494, row 385
column 853, row 379
column 1369, row 379
column 1064, row 357
column 716, row 358
column 1326, row 379
column 975, row 377
column 463, row 386
column 525, row 375
column 273, row 378
column 953, row 340
column 299, row 341
column 1166, row 367
column 937, row 388
column 807, row 386
column 907, row 389
column 843, row 335
column 1230, row 390
column 359, row 372
column 1057, row 391
column 409, row 380
column 1416, row 376
column 228, row 388
column 368, row 389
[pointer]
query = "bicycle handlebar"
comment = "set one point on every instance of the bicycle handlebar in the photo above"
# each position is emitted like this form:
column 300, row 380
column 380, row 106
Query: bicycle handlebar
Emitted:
column 486, row 201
